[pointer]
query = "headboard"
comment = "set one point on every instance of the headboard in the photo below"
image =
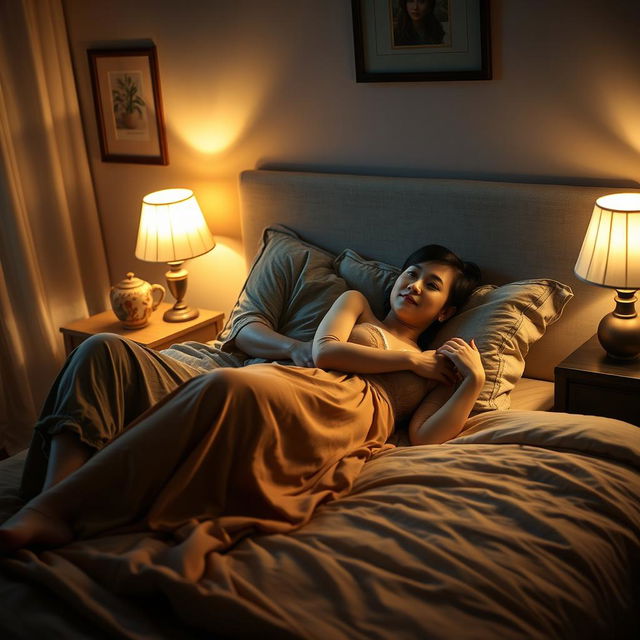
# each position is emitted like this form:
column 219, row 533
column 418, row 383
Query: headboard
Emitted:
column 513, row 231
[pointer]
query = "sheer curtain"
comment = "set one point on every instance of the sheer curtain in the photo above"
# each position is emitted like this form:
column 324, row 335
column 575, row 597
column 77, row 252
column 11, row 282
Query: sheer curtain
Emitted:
column 52, row 262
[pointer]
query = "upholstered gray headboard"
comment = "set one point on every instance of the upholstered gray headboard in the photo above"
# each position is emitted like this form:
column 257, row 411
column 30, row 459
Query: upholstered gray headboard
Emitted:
column 513, row 231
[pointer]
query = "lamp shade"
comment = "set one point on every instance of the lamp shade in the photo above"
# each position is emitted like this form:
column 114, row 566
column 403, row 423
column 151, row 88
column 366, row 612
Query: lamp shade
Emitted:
column 610, row 254
column 172, row 227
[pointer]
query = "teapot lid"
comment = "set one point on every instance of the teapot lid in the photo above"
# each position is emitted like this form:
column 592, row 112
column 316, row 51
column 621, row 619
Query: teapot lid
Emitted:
column 130, row 282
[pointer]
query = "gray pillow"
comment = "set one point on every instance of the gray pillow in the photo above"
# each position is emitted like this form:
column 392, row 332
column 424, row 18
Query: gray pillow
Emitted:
column 290, row 287
column 371, row 278
column 292, row 284
column 505, row 321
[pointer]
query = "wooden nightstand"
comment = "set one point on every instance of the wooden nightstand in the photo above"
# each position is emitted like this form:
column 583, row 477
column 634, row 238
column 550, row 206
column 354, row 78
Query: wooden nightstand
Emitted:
column 590, row 382
column 157, row 334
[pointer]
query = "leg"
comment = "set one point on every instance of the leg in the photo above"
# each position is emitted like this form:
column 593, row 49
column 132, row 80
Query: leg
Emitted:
column 33, row 527
column 106, row 383
column 115, row 476
column 67, row 454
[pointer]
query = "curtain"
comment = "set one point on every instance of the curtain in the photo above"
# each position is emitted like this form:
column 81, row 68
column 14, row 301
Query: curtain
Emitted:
column 52, row 261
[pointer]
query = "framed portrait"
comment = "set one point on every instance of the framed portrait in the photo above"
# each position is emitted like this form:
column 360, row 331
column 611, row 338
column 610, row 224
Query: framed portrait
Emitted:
column 421, row 40
column 126, row 93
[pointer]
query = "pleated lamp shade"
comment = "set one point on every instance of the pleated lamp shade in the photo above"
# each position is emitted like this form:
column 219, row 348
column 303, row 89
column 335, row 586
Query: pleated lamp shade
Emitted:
column 172, row 227
column 610, row 254
column 610, row 257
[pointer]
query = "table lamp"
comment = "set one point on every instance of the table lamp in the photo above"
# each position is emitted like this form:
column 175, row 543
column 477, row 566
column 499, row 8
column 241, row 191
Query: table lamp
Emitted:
column 610, row 257
column 173, row 229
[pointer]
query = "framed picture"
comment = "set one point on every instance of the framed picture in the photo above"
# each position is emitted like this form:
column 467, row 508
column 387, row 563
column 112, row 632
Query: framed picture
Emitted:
column 418, row 40
column 126, row 93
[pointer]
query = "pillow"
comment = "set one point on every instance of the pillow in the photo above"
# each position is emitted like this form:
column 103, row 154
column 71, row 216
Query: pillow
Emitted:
column 371, row 278
column 505, row 321
column 290, row 287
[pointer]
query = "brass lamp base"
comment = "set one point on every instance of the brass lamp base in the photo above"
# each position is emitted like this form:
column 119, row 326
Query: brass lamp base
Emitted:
column 177, row 283
column 619, row 331
column 182, row 314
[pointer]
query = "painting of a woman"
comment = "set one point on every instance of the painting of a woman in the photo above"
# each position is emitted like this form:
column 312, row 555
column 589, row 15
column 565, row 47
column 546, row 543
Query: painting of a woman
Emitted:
column 417, row 24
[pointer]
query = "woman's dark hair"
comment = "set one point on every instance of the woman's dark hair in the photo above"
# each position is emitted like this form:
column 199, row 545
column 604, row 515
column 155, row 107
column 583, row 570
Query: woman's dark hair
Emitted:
column 466, row 280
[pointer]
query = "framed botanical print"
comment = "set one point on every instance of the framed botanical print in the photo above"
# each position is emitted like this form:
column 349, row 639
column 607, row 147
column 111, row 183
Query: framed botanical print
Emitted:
column 126, row 93
column 421, row 40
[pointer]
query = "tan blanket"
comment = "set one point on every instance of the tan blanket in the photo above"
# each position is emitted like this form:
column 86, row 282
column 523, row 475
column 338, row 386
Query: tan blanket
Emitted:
column 525, row 526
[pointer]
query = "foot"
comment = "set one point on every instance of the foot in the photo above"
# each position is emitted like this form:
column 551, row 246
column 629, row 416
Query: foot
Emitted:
column 31, row 527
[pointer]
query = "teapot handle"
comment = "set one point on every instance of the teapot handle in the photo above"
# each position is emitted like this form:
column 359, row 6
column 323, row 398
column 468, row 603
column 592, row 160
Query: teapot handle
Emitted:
column 161, row 291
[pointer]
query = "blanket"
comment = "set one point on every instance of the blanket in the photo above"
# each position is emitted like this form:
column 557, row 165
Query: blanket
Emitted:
column 526, row 525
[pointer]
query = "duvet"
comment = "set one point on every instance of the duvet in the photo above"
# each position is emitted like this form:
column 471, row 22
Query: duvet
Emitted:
column 525, row 526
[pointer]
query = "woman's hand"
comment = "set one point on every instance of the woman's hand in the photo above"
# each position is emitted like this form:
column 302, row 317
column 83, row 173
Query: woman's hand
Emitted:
column 300, row 353
column 440, row 418
column 430, row 364
column 465, row 357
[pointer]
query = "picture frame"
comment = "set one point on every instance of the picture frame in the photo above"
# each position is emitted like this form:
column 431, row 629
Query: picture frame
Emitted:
column 128, row 105
column 399, row 41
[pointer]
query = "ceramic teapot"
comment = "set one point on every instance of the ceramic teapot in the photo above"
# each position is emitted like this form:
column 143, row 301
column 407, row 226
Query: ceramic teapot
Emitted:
column 132, row 300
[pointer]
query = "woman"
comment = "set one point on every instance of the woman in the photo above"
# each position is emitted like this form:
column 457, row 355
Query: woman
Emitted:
column 416, row 24
column 259, row 448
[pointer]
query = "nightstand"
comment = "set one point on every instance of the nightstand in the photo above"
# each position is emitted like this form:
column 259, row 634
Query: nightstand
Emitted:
column 158, row 334
column 590, row 382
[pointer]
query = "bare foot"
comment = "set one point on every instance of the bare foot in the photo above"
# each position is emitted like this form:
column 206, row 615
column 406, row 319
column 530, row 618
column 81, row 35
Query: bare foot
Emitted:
column 30, row 527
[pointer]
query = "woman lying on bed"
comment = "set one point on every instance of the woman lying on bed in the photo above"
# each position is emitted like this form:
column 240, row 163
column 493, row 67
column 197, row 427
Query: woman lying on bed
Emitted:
column 236, row 451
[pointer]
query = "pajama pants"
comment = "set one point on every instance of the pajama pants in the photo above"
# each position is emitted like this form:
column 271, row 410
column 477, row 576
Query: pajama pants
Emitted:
column 105, row 384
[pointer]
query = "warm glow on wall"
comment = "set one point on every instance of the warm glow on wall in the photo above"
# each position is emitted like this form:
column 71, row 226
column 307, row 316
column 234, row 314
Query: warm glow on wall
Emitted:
column 618, row 108
column 214, row 120
column 212, row 135
column 218, row 276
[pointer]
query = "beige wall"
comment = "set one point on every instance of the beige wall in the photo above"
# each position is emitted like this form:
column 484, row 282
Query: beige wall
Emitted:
column 249, row 83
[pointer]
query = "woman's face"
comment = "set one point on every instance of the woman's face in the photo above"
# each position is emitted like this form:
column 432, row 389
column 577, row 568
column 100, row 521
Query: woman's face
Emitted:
column 417, row 9
column 419, row 295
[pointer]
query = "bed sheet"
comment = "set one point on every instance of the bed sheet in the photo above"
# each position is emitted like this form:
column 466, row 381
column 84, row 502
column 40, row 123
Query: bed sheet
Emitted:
column 532, row 395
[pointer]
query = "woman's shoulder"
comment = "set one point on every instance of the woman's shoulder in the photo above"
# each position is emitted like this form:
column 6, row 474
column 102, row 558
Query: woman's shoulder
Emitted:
column 353, row 294
column 358, row 300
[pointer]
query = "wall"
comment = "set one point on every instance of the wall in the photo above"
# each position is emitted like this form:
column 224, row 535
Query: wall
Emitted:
column 249, row 83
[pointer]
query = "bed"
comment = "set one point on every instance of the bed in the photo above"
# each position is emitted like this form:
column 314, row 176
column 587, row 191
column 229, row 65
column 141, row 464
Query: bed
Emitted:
column 524, row 526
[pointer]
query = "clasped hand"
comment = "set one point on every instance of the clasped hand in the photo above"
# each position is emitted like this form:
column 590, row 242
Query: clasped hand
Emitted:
column 435, row 366
column 464, row 356
column 452, row 362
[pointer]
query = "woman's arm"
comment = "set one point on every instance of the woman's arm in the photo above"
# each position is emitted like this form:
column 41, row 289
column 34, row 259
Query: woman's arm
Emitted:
column 331, row 349
column 259, row 341
column 443, row 412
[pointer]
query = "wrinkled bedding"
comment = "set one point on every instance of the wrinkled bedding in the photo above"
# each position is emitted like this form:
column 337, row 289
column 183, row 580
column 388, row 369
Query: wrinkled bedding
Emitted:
column 525, row 526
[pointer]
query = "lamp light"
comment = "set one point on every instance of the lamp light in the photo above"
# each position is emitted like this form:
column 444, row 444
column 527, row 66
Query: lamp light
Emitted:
column 610, row 257
column 173, row 229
